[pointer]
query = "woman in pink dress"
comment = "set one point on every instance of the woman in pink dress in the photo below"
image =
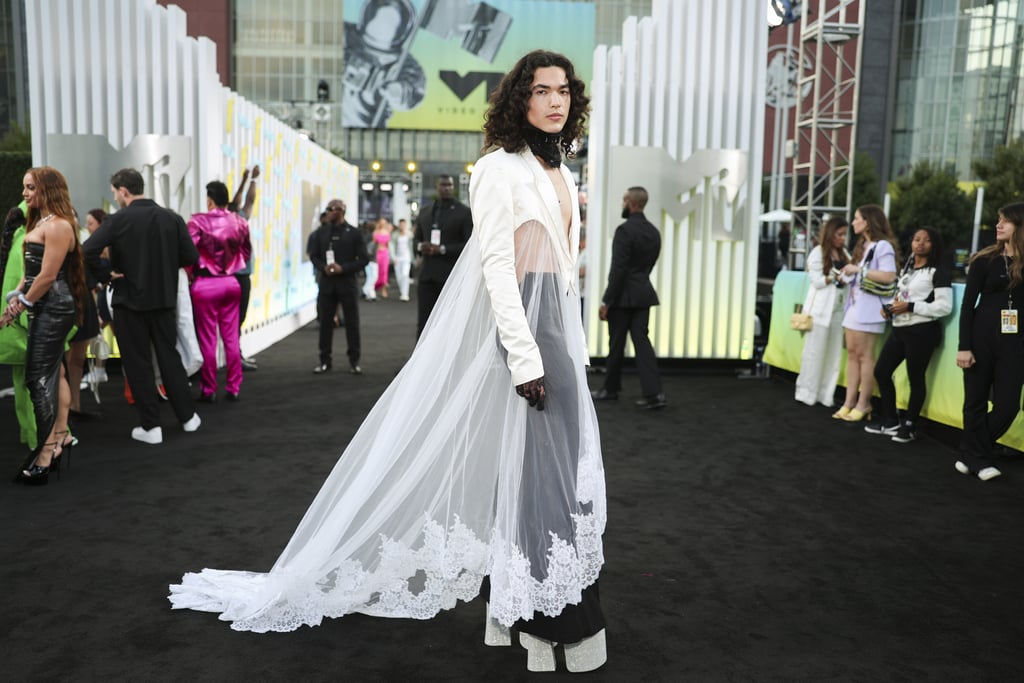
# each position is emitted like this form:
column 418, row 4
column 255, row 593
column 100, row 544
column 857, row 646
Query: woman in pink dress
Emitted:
column 382, row 235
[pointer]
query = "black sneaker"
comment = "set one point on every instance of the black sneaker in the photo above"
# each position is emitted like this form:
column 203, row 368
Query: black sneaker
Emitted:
column 887, row 427
column 906, row 433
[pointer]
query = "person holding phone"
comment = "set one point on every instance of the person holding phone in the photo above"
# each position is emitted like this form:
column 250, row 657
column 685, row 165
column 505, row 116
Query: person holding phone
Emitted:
column 825, row 301
column 924, row 295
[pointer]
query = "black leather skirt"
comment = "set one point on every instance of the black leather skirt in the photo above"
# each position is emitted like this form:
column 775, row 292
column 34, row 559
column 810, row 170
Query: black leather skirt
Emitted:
column 49, row 322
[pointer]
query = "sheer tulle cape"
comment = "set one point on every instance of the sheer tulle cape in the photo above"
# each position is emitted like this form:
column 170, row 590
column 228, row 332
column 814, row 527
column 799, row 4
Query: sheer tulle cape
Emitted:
column 431, row 494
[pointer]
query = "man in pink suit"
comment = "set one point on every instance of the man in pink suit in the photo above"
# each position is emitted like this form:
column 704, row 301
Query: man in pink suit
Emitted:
column 222, row 239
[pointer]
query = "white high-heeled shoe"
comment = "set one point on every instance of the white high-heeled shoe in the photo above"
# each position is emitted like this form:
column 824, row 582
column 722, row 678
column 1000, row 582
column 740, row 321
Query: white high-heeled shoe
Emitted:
column 540, row 653
column 495, row 634
column 586, row 655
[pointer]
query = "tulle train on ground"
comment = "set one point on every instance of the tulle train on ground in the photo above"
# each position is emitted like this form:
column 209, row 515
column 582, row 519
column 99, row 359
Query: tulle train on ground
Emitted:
column 446, row 482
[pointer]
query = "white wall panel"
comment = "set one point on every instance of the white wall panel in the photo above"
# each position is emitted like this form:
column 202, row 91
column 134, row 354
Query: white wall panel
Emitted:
column 147, row 96
column 678, row 109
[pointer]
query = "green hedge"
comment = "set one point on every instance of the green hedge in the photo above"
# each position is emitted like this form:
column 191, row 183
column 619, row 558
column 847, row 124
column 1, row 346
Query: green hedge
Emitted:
column 12, row 169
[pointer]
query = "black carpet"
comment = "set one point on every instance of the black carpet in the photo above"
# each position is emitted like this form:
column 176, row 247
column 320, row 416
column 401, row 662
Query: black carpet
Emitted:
column 750, row 538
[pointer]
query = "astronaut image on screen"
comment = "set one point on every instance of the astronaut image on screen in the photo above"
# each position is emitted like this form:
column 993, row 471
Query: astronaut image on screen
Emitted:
column 380, row 75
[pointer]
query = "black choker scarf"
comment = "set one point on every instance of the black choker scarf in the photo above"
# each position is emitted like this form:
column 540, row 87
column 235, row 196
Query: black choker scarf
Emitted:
column 548, row 147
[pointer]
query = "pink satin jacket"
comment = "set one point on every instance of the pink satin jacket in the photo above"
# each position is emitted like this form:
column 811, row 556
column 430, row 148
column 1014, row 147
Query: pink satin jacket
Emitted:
column 222, row 239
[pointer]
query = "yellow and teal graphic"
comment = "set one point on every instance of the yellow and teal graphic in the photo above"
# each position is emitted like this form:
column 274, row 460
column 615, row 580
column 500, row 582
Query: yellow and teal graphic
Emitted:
column 430, row 64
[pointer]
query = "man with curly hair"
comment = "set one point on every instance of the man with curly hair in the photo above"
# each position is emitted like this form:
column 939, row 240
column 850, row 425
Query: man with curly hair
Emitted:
column 453, row 480
column 526, row 210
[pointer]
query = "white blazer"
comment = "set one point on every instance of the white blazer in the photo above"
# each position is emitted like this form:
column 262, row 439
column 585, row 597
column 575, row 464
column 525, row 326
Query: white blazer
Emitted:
column 507, row 191
column 821, row 295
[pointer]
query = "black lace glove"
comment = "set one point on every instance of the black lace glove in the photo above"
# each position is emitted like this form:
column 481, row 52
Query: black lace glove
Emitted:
column 533, row 392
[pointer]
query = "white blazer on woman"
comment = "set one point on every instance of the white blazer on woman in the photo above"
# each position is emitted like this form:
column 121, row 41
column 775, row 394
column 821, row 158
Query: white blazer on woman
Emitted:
column 821, row 295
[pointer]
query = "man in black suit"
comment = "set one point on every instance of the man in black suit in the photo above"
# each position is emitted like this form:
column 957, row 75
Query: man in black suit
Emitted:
column 627, row 301
column 442, row 230
column 148, row 245
column 338, row 254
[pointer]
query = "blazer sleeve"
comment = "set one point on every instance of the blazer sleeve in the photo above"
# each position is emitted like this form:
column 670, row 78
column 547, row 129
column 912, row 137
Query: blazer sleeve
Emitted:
column 618, row 272
column 188, row 255
column 93, row 246
column 940, row 303
column 976, row 274
column 492, row 204
column 245, row 248
column 465, row 232
column 419, row 230
column 813, row 269
column 885, row 258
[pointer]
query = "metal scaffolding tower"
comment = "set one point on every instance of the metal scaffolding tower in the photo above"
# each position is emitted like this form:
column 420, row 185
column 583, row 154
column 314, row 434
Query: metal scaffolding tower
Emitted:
column 826, row 121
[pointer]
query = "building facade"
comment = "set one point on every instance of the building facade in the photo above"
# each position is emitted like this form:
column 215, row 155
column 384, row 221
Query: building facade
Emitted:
column 958, row 80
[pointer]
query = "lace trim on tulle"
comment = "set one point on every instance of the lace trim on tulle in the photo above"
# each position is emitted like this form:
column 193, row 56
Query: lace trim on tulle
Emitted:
column 412, row 583
column 590, row 474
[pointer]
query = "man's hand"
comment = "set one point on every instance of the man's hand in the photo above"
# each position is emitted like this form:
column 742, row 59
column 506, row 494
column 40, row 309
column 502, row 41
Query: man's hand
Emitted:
column 602, row 312
column 428, row 249
column 533, row 392
column 965, row 359
column 333, row 269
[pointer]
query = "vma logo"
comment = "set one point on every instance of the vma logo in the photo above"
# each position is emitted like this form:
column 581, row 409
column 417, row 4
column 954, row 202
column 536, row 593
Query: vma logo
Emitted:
column 707, row 187
column 463, row 86
column 88, row 161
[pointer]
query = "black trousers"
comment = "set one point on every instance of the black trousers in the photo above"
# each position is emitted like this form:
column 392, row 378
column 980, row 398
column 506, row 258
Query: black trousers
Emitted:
column 245, row 282
column 631, row 321
column 140, row 334
column 915, row 344
column 426, row 297
column 999, row 369
column 335, row 290
column 575, row 622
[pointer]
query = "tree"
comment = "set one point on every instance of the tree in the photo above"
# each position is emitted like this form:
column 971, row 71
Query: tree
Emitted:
column 17, row 139
column 930, row 195
column 1003, row 176
column 866, row 184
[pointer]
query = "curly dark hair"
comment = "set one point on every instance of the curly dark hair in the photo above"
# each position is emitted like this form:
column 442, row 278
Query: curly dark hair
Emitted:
column 505, row 120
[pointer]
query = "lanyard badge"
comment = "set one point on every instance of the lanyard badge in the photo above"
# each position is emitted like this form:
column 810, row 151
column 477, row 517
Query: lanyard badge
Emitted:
column 1008, row 321
column 1008, row 317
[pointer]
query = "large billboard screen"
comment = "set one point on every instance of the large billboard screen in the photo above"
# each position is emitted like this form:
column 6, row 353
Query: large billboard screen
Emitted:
column 430, row 64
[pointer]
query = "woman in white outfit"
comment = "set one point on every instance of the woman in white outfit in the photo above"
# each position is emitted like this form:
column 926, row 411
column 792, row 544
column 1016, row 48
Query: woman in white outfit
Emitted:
column 825, row 302
column 401, row 245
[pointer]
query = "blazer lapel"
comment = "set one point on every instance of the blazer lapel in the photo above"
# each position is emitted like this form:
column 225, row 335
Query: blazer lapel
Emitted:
column 573, row 246
column 556, row 229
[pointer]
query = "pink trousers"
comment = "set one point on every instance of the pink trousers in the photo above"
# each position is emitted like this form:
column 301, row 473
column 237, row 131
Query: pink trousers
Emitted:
column 382, row 268
column 215, row 303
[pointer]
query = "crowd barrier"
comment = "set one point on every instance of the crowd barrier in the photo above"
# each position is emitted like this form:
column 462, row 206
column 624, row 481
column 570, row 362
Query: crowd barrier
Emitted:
column 945, row 380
